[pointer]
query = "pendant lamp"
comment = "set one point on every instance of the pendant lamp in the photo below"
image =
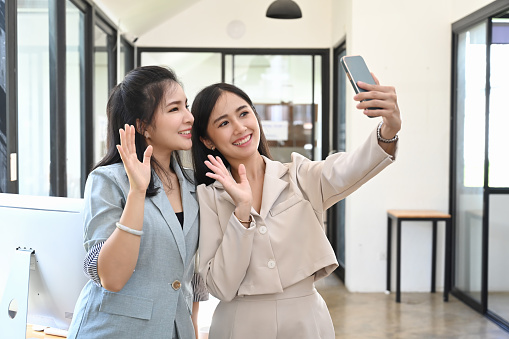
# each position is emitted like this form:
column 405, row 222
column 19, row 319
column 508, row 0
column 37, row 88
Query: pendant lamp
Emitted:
column 284, row 9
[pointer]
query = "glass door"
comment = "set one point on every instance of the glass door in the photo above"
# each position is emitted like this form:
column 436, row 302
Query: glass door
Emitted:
column 470, row 122
column 498, row 169
column 480, row 193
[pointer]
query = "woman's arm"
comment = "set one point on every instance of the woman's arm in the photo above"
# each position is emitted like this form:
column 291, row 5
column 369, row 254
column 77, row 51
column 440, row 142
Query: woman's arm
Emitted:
column 194, row 317
column 343, row 173
column 385, row 98
column 326, row 182
column 119, row 254
column 224, row 257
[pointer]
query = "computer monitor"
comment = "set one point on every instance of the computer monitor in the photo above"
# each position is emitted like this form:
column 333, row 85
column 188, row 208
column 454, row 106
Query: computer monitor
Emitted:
column 53, row 228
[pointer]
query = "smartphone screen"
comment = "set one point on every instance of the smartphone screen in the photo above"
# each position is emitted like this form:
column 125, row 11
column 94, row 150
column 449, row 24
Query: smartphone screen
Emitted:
column 356, row 70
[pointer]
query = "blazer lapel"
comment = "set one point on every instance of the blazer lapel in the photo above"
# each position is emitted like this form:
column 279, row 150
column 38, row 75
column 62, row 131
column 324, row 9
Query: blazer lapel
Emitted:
column 163, row 204
column 273, row 185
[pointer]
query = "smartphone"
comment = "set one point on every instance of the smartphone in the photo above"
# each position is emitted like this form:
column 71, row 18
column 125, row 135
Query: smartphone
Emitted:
column 357, row 70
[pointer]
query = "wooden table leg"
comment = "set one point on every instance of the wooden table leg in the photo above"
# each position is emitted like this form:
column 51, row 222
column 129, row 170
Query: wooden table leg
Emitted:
column 448, row 258
column 434, row 257
column 398, row 262
column 388, row 255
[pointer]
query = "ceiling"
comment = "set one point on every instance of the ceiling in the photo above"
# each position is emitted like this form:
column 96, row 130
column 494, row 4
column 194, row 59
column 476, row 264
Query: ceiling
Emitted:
column 137, row 17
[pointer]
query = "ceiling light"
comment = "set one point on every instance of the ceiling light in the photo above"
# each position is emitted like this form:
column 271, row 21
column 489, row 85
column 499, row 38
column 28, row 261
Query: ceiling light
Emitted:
column 284, row 9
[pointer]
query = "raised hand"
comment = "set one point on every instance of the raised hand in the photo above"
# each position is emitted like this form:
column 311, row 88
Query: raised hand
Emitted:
column 137, row 172
column 385, row 98
column 240, row 192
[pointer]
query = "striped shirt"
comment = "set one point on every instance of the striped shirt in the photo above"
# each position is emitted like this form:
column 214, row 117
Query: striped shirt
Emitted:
column 200, row 292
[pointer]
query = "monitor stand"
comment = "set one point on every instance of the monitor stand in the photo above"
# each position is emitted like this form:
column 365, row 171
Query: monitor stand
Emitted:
column 14, row 303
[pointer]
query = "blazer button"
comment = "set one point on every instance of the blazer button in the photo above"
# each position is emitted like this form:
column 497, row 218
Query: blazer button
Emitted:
column 176, row 285
column 263, row 230
column 271, row 263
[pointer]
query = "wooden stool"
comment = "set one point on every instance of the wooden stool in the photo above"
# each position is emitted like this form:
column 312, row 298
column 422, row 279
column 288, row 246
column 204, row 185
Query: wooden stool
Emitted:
column 419, row 215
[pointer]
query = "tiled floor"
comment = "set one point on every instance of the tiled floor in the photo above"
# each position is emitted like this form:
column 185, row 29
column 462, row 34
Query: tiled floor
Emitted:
column 419, row 315
column 377, row 315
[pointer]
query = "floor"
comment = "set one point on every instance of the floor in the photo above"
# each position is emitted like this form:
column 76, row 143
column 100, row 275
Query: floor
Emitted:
column 377, row 315
column 419, row 315
column 498, row 302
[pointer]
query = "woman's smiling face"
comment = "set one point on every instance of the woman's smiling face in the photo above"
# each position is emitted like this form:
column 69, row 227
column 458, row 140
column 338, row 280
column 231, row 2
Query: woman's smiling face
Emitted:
column 171, row 127
column 233, row 127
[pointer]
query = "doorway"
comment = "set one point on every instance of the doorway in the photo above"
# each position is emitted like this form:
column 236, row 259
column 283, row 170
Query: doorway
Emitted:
column 479, row 163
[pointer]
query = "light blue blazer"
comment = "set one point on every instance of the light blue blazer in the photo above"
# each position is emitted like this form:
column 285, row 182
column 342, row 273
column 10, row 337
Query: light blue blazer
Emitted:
column 148, row 306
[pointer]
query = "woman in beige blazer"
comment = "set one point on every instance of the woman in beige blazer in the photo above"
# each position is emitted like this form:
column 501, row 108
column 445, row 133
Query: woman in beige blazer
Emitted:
column 262, row 239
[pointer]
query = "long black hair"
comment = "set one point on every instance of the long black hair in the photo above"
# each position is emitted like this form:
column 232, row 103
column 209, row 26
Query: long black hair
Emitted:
column 137, row 98
column 203, row 105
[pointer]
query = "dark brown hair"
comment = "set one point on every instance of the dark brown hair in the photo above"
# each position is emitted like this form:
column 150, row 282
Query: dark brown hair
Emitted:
column 202, row 108
column 137, row 98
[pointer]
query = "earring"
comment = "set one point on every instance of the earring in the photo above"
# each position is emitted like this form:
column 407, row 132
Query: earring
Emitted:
column 212, row 148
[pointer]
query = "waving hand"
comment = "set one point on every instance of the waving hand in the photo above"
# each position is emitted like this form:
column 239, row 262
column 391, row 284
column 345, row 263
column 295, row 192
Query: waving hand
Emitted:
column 240, row 192
column 137, row 172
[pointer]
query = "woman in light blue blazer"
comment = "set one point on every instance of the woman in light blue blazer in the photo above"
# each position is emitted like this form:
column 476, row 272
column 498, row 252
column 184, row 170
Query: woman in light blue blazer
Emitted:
column 141, row 217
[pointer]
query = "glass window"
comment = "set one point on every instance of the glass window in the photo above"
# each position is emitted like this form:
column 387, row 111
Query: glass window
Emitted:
column 498, row 114
column 33, row 98
column 285, row 97
column 498, row 275
column 498, row 230
column 101, row 91
column 3, row 103
column 472, row 104
column 74, row 87
column 471, row 99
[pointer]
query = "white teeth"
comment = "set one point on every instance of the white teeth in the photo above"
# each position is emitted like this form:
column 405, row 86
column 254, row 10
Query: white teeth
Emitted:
column 243, row 141
column 185, row 132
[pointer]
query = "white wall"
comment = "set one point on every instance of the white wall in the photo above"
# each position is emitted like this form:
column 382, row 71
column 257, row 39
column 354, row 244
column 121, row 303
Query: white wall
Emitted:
column 407, row 44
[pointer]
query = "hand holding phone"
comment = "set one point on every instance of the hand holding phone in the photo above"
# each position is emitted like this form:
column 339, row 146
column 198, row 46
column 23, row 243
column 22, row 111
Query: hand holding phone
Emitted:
column 357, row 70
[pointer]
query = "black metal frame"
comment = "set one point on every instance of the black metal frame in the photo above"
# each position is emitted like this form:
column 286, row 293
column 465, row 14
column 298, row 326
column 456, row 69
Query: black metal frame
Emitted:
column 11, row 24
column 57, row 75
column 129, row 54
column 485, row 14
column 87, row 99
column 339, row 208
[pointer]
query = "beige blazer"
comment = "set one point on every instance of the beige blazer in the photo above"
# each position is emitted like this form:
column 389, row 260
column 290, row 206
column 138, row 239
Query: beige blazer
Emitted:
column 286, row 241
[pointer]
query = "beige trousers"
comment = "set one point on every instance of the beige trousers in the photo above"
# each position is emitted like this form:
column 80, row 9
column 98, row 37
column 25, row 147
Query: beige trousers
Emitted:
column 297, row 313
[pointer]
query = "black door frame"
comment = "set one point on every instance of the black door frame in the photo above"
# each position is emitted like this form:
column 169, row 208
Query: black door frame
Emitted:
column 485, row 14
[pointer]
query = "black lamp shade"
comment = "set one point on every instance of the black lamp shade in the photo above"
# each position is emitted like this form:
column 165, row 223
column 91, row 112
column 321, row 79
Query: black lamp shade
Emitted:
column 284, row 9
